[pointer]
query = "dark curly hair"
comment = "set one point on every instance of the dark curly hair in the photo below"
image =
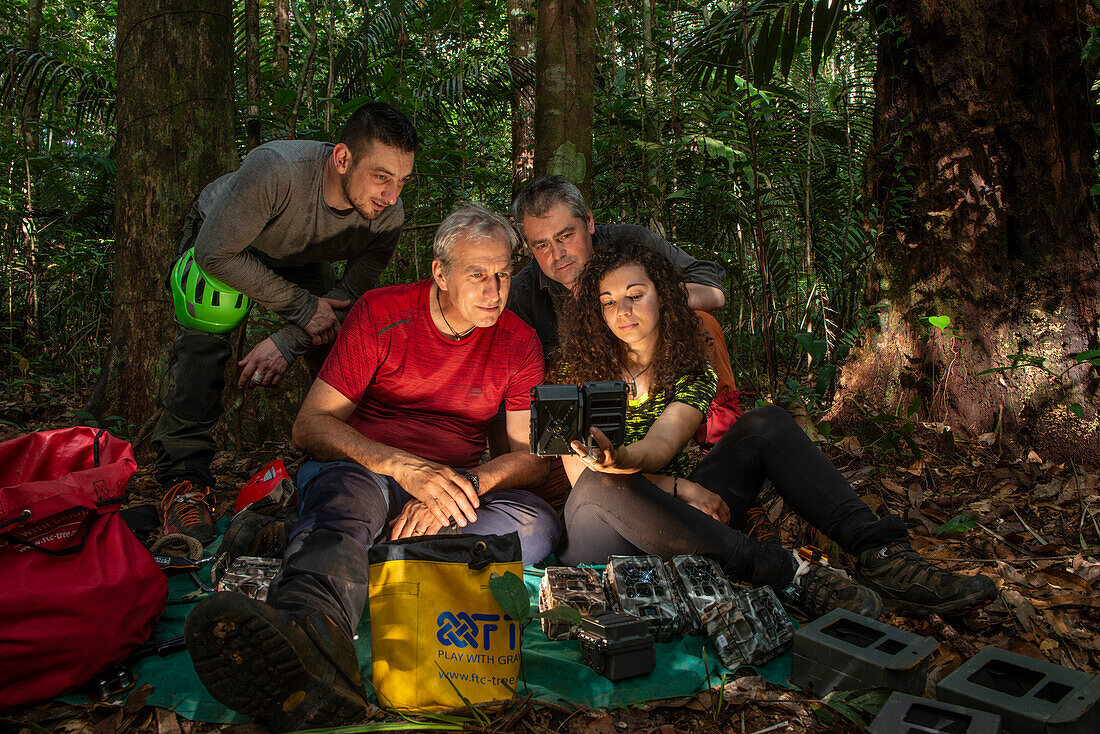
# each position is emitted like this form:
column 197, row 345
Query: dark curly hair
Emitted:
column 590, row 351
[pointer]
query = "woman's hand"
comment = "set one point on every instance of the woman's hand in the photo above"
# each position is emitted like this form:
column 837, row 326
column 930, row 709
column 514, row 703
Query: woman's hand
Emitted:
column 604, row 457
column 703, row 500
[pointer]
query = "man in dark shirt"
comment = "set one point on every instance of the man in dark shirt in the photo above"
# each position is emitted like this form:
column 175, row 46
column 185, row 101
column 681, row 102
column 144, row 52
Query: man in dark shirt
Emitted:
column 561, row 233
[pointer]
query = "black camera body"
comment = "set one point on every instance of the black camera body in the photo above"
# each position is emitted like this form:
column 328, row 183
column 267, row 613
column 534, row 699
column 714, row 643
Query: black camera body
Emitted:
column 617, row 645
column 561, row 414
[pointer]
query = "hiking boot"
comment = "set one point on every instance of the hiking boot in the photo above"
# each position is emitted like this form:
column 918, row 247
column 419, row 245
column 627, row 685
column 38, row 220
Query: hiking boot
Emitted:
column 817, row 590
column 253, row 534
column 284, row 672
column 189, row 509
column 911, row 585
column 759, row 527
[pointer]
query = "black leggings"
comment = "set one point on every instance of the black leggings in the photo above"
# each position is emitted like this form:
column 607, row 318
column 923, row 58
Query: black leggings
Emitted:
column 626, row 514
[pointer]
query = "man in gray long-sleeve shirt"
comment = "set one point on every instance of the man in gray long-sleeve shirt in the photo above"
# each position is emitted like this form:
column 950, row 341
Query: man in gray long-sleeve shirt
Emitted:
column 271, row 230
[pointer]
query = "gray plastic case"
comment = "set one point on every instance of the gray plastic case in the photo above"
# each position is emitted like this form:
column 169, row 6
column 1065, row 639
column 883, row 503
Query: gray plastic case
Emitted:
column 1030, row 695
column 845, row 651
column 912, row 715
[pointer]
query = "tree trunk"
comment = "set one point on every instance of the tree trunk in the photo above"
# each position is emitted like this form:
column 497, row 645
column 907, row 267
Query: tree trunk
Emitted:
column 175, row 135
column 983, row 144
column 565, row 60
column 31, row 116
column 253, row 127
column 281, row 15
column 521, row 57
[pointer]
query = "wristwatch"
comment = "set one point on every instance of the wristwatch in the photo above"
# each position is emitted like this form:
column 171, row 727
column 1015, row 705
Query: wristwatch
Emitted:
column 473, row 480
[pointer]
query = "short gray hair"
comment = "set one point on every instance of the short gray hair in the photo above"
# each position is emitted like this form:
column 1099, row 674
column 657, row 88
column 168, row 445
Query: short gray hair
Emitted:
column 471, row 221
column 543, row 194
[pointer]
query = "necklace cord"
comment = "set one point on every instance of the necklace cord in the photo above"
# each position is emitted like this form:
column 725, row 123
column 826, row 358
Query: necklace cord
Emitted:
column 633, row 377
column 448, row 323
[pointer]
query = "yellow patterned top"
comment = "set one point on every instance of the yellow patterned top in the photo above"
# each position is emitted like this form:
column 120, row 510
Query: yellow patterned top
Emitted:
column 695, row 390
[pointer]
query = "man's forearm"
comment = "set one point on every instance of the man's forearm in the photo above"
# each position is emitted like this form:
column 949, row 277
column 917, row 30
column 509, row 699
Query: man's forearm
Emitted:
column 705, row 297
column 514, row 470
column 328, row 438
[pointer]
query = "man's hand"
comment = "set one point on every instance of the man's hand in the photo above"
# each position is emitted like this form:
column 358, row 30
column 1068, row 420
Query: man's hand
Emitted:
column 264, row 366
column 444, row 491
column 323, row 326
column 703, row 500
column 414, row 520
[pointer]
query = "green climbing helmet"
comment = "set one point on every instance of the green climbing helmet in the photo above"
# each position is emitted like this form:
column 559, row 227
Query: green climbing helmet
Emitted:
column 202, row 302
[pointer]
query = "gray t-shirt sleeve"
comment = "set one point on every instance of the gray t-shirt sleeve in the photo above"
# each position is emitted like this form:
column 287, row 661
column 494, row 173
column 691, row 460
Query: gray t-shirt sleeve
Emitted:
column 247, row 201
column 703, row 272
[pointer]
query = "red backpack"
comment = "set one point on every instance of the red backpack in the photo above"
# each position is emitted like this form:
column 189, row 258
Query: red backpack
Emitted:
column 78, row 591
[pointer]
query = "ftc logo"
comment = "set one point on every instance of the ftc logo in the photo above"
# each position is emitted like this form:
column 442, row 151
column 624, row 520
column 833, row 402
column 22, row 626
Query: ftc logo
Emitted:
column 474, row 630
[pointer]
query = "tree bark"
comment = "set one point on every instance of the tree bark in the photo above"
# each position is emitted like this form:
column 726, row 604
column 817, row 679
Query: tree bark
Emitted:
column 175, row 135
column 281, row 15
column 980, row 173
column 521, row 57
column 565, row 60
column 29, row 124
column 253, row 127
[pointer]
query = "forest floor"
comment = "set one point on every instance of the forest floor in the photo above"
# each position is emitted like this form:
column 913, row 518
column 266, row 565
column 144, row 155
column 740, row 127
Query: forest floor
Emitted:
column 1031, row 525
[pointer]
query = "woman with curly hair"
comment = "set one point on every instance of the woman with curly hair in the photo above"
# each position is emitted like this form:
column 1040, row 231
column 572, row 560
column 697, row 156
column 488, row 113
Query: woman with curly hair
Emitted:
column 629, row 320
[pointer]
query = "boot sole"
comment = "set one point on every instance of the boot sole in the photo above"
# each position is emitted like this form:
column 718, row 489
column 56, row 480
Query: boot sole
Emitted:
column 946, row 609
column 248, row 664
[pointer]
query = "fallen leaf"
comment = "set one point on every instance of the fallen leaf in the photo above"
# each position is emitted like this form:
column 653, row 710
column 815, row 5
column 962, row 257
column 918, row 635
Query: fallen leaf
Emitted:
column 1046, row 491
column 136, row 700
column 1069, row 600
column 1087, row 570
column 1063, row 578
column 167, row 723
column 893, row 486
column 1009, row 573
column 851, row 445
column 982, row 507
column 743, row 690
column 602, row 725
column 988, row 439
column 1021, row 607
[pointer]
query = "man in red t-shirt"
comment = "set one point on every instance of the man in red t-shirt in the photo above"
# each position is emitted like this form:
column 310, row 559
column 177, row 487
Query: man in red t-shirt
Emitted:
column 396, row 424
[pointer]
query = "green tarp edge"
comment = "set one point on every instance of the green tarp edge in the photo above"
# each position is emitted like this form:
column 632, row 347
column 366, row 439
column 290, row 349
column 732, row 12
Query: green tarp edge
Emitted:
column 552, row 671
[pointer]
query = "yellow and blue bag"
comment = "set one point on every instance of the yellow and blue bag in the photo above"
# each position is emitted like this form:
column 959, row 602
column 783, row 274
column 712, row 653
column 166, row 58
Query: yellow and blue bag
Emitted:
column 436, row 630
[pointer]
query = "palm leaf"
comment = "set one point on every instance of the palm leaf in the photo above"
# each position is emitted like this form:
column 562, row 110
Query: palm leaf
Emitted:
column 35, row 79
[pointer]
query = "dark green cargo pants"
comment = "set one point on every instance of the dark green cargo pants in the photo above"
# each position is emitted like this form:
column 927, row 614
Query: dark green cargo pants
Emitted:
column 183, row 439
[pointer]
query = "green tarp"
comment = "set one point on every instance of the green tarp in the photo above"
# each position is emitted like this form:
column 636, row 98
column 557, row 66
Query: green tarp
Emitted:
column 552, row 671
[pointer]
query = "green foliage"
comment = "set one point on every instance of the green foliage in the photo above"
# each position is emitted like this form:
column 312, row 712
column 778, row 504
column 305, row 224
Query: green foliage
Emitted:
column 1018, row 361
column 958, row 524
column 889, row 432
column 943, row 324
column 732, row 133
column 858, row 707
column 511, row 594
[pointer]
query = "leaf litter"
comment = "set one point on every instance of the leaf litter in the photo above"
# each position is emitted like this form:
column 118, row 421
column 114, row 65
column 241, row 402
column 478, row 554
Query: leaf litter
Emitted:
column 1033, row 526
